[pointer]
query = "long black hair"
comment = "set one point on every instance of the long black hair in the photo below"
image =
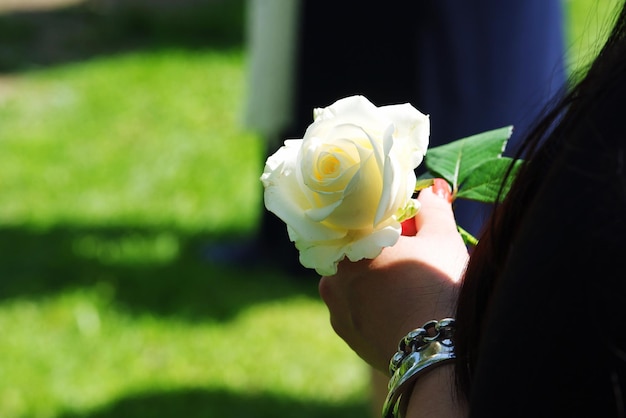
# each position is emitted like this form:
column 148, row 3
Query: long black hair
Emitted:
column 587, row 107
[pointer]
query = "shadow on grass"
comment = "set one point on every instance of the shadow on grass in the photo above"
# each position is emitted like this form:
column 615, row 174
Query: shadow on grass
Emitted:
column 159, row 271
column 205, row 403
column 36, row 38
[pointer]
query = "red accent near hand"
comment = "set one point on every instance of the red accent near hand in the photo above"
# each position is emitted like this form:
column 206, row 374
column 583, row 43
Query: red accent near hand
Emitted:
column 408, row 228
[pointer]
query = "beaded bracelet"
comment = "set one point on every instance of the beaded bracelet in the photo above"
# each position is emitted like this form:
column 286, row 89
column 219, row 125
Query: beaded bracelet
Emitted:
column 420, row 350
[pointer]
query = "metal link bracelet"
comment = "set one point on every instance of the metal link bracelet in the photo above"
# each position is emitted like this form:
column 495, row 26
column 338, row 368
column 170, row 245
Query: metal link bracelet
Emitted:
column 420, row 350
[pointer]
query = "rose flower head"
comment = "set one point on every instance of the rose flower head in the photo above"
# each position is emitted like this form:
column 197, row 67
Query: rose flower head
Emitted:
column 345, row 187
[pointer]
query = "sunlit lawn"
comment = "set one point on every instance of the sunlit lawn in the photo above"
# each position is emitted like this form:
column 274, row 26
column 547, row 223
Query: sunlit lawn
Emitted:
column 115, row 174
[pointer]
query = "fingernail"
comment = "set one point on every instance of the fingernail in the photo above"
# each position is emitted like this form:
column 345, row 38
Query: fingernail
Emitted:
column 442, row 189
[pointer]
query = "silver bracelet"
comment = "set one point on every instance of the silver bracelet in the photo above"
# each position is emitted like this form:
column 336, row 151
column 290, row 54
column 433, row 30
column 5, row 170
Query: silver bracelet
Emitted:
column 420, row 350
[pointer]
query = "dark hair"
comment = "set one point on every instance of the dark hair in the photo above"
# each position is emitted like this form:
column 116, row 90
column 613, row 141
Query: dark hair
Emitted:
column 583, row 110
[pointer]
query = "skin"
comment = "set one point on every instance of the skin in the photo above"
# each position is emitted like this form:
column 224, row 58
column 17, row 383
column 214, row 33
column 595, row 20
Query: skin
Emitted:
column 374, row 303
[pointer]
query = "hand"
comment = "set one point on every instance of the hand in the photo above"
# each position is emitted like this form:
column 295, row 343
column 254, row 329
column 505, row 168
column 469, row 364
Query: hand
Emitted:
column 374, row 303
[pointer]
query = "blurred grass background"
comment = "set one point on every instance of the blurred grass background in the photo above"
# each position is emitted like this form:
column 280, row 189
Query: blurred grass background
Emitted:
column 122, row 157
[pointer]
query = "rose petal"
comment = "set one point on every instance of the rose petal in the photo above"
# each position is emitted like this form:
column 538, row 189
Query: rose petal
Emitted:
column 412, row 127
column 284, row 197
column 389, row 190
column 372, row 244
column 324, row 257
column 361, row 197
column 355, row 111
column 321, row 257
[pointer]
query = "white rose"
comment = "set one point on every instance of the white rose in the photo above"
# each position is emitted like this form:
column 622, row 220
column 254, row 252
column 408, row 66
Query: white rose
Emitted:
column 345, row 187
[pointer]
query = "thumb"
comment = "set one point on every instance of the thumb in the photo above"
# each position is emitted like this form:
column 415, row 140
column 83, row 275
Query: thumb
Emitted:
column 435, row 214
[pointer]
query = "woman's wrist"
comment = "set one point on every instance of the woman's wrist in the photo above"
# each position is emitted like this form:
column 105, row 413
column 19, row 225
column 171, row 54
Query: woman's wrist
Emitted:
column 434, row 396
column 419, row 352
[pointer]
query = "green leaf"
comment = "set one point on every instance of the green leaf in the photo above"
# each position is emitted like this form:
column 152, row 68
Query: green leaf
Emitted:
column 468, row 238
column 483, row 183
column 456, row 160
column 423, row 183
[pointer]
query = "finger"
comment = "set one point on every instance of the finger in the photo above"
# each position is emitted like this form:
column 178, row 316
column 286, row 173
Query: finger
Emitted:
column 440, row 188
column 435, row 214
column 332, row 288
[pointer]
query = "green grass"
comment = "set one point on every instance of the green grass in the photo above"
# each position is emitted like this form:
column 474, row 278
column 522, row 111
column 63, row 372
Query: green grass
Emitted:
column 117, row 169
column 87, row 358
column 587, row 28
column 115, row 174
column 139, row 139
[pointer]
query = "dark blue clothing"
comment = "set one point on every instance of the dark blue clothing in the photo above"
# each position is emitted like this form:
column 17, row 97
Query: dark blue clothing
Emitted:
column 487, row 64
